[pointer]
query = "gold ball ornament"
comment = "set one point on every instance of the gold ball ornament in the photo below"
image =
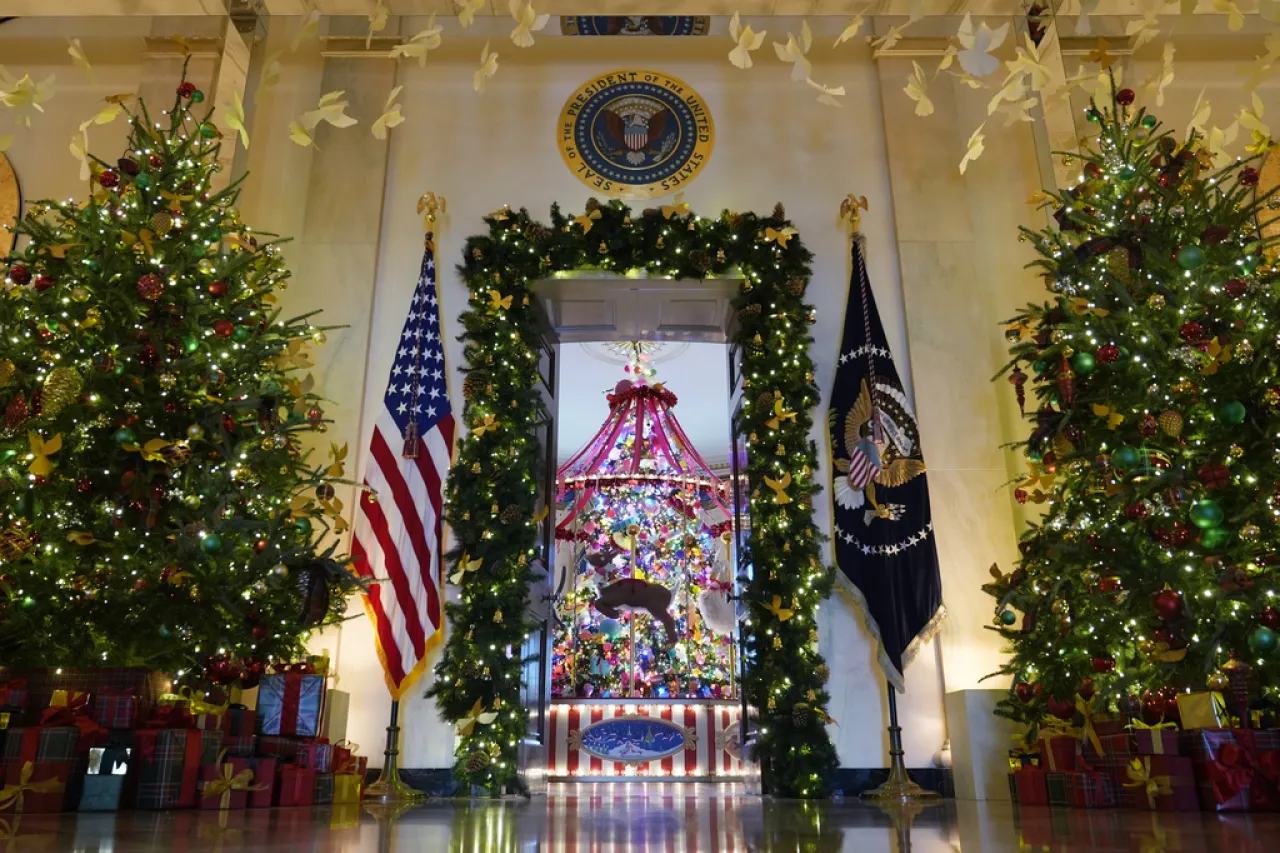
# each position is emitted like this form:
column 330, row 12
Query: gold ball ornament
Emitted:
column 162, row 223
column 1250, row 532
column 1155, row 300
column 1147, row 647
column 1171, row 423
column 79, row 294
column 205, row 266
column 318, row 336
column 1089, row 577
column 61, row 388
column 7, row 369
column 167, row 381
column 1059, row 606
column 1235, row 451
column 1217, row 680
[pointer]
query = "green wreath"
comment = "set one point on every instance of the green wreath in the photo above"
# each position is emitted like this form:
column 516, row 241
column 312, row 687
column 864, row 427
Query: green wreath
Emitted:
column 493, row 486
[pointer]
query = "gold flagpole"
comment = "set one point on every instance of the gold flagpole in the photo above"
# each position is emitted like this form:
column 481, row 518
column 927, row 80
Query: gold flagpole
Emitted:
column 898, row 788
column 389, row 789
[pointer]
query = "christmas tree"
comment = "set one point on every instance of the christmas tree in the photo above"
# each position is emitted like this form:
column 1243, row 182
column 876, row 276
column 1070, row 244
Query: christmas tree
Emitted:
column 157, row 507
column 1153, row 451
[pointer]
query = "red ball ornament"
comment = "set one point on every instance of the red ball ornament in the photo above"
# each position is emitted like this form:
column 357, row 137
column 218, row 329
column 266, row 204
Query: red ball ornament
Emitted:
column 150, row 287
column 19, row 274
column 141, row 585
column 1063, row 709
column 1024, row 691
column 1104, row 663
column 84, row 485
column 1093, row 170
column 108, row 179
column 1249, row 176
column 1136, row 512
column 1167, row 180
column 1192, row 332
column 221, row 670
column 1235, row 288
column 186, row 89
column 156, row 161
column 252, row 673
column 1125, row 97
column 1154, row 707
column 45, row 282
column 228, row 423
column 1214, row 475
column 1168, row 604
column 1087, row 689
column 223, row 328
column 259, row 632
column 1214, row 234
column 217, row 287
column 1108, row 353
column 147, row 356
column 1111, row 583
column 1270, row 617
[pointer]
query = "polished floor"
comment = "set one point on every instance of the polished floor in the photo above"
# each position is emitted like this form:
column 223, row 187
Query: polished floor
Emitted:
column 643, row 818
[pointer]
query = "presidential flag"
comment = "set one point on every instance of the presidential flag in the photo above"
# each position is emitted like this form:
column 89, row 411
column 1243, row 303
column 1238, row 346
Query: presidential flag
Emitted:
column 884, row 544
column 397, row 540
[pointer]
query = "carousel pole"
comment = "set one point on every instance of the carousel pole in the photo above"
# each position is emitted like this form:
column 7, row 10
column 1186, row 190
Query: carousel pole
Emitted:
column 633, row 531
column 573, row 597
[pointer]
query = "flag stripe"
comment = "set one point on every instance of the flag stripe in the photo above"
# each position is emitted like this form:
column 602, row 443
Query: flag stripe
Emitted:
column 396, row 574
column 418, row 557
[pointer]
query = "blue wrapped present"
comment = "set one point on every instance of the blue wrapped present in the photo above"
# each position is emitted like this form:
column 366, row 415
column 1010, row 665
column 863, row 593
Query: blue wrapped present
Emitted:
column 101, row 793
column 289, row 704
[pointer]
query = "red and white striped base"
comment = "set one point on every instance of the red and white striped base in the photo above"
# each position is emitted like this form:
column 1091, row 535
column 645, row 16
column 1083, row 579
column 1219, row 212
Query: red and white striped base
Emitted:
column 710, row 729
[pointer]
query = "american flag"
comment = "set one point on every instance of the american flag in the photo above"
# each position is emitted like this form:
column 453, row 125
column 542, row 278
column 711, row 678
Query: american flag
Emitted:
column 397, row 532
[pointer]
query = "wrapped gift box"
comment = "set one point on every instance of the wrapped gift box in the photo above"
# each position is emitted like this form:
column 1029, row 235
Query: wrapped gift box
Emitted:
column 239, row 721
column 232, row 783
column 265, row 773
column 1030, row 787
column 1090, row 790
column 1103, row 726
column 347, row 788
column 40, row 743
column 1156, row 741
column 124, row 710
column 1059, row 753
column 315, row 755
column 290, row 703
column 296, row 786
column 42, row 683
column 324, row 789
column 1058, row 786
column 1204, row 710
column 1161, row 783
column 102, row 792
column 279, row 747
column 13, row 697
column 242, row 746
column 1236, row 769
column 168, row 765
column 38, row 787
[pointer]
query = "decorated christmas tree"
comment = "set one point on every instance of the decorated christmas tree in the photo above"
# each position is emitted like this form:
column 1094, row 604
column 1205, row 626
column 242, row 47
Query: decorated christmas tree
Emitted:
column 157, row 507
column 1155, row 411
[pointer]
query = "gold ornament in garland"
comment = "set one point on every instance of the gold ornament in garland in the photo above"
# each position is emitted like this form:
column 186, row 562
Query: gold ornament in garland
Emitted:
column 7, row 369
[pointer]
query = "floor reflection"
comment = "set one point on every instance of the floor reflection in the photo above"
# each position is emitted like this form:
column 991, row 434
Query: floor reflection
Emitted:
column 644, row 818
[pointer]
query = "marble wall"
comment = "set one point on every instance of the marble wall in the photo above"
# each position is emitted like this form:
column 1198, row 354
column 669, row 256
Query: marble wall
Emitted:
column 943, row 257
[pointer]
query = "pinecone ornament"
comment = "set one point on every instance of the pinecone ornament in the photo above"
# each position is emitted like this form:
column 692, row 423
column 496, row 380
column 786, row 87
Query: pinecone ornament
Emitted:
column 749, row 311
column 795, row 286
column 700, row 261
column 593, row 204
column 162, row 222
column 823, row 672
column 510, row 514
column 61, row 388
column 779, row 212
column 475, row 762
column 473, row 385
column 800, row 714
column 765, row 402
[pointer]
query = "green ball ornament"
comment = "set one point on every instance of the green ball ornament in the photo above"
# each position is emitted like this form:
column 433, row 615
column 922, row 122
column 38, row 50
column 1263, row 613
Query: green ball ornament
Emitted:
column 1008, row 617
column 124, row 435
column 1206, row 513
column 164, row 632
column 143, row 180
column 28, row 603
column 1149, row 122
column 1084, row 363
column 1055, row 400
column 195, row 432
column 190, row 344
column 93, row 264
column 241, row 334
column 1126, row 457
column 1249, row 264
column 1093, row 115
column 1127, row 172
column 1190, row 257
column 1215, row 537
column 1035, row 455
column 211, row 544
column 302, row 526
column 207, row 130
column 197, row 96
column 1262, row 641
column 1233, row 412
column 1040, row 367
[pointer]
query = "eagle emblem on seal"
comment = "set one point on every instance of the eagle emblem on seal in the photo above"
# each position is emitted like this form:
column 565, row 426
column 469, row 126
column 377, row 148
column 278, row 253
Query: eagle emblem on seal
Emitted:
column 639, row 126
column 882, row 445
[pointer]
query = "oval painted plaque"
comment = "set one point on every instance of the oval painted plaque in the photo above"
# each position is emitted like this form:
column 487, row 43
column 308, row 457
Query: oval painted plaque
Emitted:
column 633, row 739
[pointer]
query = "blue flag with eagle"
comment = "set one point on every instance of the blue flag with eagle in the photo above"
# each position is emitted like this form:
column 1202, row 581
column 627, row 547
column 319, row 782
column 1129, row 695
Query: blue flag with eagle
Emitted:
column 883, row 529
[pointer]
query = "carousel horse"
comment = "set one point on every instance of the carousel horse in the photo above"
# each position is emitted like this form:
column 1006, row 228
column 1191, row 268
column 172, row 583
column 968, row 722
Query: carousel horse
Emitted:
column 633, row 594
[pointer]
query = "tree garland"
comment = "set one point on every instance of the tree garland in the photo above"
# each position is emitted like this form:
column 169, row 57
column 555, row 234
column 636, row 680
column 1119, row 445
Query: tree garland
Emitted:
column 493, row 486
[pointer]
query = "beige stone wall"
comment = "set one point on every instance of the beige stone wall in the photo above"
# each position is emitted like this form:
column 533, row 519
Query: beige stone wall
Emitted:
column 943, row 257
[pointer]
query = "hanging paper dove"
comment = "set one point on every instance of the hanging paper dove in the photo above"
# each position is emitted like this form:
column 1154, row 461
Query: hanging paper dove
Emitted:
column 854, row 27
column 974, row 149
column 391, row 115
column 488, row 67
column 80, row 60
column 528, row 22
column 421, row 43
column 794, row 52
column 746, row 40
column 377, row 21
column 467, row 11
column 976, row 57
column 827, row 94
column 918, row 90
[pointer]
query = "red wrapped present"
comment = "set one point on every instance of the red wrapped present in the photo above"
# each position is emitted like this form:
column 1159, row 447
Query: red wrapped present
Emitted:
column 1236, row 769
column 278, row 747
column 35, row 787
column 122, row 710
column 296, row 786
column 1091, row 790
column 264, row 776
column 168, row 763
column 1160, row 739
column 316, row 755
column 1059, row 753
column 1119, row 745
column 1160, row 783
column 343, row 751
column 42, row 683
column 1029, row 782
column 23, row 744
column 241, row 746
column 228, row 785
column 13, row 695
column 239, row 721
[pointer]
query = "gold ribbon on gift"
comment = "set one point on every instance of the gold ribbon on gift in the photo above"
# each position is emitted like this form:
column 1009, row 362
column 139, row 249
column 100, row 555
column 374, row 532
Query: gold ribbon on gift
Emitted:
column 65, row 698
column 1089, row 733
column 1052, row 729
column 1157, row 743
column 1139, row 772
column 13, row 794
column 231, row 781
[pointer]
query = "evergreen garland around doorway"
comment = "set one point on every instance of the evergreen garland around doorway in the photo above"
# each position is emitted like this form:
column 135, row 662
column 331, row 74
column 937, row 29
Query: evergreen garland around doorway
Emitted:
column 493, row 487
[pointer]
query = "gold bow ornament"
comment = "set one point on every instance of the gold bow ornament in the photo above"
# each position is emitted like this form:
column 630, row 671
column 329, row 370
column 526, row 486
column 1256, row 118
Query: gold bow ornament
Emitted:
column 12, row 795
column 678, row 207
column 229, row 782
column 780, row 413
column 1139, row 773
column 781, row 236
column 488, row 424
column 775, row 607
column 498, row 302
column 587, row 220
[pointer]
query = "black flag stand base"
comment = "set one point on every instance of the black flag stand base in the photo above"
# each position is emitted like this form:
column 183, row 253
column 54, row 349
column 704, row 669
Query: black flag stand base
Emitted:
column 389, row 789
column 898, row 787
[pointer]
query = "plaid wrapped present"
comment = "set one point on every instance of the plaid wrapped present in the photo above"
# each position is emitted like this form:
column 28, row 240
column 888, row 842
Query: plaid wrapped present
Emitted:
column 317, row 755
column 38, row 787
column 1030, row 787
column 101, row 793
column 1236, row 769
column 264, row 776
column 1091, row 790
column 13, row 696
column 1160, row 739
column 1160, row 783
column 347, row 788
column 239, row 721
column 289, row 703
column 297, row 786
column 147, row 684
column 123, row 710
column 1058, row 786
column 324, row 789
column 279, row 747
column 228, row 785
column 241, row 746
column 169, row 765
column 24, row 744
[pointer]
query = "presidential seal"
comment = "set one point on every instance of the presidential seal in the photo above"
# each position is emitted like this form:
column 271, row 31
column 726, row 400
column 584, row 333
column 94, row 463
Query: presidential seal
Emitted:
column 636, row 134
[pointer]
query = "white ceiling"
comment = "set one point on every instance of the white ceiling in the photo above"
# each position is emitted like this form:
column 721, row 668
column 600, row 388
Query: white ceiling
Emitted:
column 698, row 376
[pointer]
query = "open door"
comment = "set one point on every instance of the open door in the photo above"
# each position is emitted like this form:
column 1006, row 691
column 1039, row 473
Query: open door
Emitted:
column 536, row 651
column 740, row 494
